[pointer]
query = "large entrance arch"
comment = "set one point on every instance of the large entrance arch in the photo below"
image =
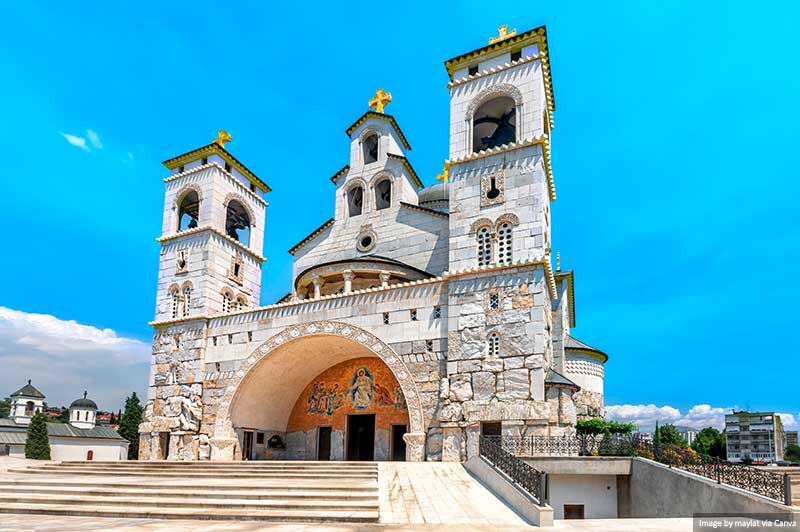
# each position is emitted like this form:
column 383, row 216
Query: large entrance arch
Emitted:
column 268, row 383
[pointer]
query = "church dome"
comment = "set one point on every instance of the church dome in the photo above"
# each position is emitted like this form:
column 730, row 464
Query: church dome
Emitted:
column 438, row 192
column 83, row 402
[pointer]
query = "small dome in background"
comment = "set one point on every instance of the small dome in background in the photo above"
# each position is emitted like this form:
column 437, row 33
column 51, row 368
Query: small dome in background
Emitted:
column 83, row 403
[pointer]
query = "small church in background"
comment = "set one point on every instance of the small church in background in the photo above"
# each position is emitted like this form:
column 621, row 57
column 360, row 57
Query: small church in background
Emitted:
column 418, row 317
column 79, row 439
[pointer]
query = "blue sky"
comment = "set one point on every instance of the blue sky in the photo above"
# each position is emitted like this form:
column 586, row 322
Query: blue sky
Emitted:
column 674, row 155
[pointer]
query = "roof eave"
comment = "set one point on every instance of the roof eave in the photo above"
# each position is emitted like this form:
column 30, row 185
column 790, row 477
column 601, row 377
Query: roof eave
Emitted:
column 216, row 149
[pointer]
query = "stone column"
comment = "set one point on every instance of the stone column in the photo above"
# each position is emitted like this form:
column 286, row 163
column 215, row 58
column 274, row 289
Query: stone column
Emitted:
column 415, row 446
column 451, row 442
column 348, row 281
column 385, row 279
column 493, row 239
column 473, row 438
column 317, row 285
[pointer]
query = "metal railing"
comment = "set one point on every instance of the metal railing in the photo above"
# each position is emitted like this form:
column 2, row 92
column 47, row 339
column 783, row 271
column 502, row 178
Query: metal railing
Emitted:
column 523, row 474
column 774, row 486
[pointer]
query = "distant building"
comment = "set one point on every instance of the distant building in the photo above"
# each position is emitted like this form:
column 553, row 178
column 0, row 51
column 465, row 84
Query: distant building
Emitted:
column 80, row 439
column 757, row 435
column 791, row 438
column 643, row 437
column 689, row 435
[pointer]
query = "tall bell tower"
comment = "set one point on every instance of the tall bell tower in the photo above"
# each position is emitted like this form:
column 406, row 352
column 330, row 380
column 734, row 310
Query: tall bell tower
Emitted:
column 212, row 234
column 502, row 286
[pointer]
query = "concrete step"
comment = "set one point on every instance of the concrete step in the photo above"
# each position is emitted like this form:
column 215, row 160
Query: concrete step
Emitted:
column 185, row 502
column 150, row 512
column 238, row 464
column 191, row 473
column 174, row 492
column 111, row 483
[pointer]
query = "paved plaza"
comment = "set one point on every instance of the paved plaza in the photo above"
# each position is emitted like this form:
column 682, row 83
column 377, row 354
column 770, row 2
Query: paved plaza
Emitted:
column 40, row 523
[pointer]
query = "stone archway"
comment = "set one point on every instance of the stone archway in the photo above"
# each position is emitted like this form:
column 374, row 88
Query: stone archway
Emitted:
column 223, row 440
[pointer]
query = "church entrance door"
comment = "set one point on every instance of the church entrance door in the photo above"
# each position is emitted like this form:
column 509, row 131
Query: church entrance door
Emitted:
column 361, row 437
column 247, row 445
column 398, row 443
column 324, row 443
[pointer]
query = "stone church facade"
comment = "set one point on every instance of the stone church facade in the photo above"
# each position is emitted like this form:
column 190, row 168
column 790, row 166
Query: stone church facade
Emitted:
column 418, row 318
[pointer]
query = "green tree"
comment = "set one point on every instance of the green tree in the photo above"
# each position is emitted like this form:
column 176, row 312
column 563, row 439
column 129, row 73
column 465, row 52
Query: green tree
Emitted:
column 5, row 407
column 129, row 424
column 792, row 453
column 63, row 417
column 710, row 441
column 669, row 436
column 37, row 446
column 657, row 442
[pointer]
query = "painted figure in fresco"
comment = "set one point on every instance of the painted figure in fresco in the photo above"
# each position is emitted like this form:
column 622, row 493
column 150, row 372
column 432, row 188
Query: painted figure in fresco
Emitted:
column 322, row 400
column 312, row 399
column 383, row 396
column 361, row 389
column 399, row 398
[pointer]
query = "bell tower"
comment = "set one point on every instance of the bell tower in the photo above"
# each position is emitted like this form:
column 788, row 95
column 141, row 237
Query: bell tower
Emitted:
column 212, row 234
column 502, row 285
column 501, row 109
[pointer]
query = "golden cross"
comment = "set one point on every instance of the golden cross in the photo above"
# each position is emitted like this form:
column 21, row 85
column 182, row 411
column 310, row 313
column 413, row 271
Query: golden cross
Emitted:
column 445, row 175
column 502, row 34
column 381, row 100
column 222, row 138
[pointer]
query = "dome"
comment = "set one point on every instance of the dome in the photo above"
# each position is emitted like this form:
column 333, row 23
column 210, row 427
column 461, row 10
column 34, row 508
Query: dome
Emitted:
column 438, row 192
column 83, row 403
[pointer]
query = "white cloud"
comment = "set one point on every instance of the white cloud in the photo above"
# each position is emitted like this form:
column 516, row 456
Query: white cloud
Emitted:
column 94, row 138
column 63, row 358
column 76, row 141
column 790, row 421
column 645, row 416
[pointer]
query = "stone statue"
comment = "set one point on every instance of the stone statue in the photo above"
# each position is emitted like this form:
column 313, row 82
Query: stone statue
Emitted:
column 191, row 411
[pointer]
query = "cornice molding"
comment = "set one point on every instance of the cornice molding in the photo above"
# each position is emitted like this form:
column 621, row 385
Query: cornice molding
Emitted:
column 313, row 234
column 545, row 262
column 215, row 231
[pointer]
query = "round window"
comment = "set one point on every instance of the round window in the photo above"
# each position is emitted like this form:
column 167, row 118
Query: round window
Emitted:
column 366, row 241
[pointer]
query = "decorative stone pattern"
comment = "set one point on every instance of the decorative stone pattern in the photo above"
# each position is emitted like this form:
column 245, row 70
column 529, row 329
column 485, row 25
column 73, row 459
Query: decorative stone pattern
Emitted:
column 492, row 189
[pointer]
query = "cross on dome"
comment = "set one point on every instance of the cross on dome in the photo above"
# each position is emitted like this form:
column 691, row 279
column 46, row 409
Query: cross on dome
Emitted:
column 381, row 100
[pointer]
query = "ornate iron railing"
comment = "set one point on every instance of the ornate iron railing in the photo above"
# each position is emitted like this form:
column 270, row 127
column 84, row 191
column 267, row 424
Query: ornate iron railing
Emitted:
column 766, row 483
column 523, row 474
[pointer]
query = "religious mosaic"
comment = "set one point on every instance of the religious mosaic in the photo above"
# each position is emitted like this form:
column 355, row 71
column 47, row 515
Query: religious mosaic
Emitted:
column 362, row 388
column 324, row 399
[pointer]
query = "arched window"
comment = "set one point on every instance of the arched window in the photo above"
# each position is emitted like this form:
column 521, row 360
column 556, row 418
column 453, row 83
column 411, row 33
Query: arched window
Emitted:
column 187, row 299
column 495, row 124
column 370, row 145
column 355, row 200
column 29, row 408
column 484, row 246
column 188, row 211
column 226, row 302
column 504, row 244
column 493, row 345
column 383, row 194
column 175, row 301
column 89, row 454
column 237, row 222
column 241, row 302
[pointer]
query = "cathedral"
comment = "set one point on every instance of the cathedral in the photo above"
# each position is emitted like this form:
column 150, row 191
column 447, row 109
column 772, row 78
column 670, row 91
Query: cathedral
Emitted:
column 418, row 317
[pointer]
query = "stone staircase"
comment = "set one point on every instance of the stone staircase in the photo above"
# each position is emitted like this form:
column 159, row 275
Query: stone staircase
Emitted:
column 276, row 491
